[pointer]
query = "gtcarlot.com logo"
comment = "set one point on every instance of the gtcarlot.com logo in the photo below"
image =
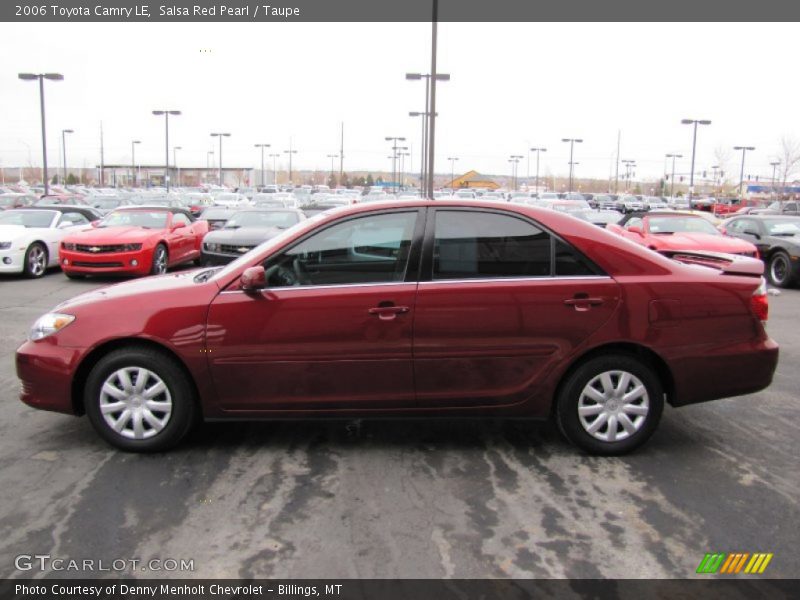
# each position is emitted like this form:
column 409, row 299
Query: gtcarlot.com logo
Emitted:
column 46, row 562
column 734, row 563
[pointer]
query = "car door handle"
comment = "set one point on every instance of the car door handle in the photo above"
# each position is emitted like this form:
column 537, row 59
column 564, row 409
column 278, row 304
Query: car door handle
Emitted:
column 584, row 303
column 387, row 313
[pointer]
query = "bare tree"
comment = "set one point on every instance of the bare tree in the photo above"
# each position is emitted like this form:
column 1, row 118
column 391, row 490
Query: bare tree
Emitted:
column 722, row 157
column 789, row 157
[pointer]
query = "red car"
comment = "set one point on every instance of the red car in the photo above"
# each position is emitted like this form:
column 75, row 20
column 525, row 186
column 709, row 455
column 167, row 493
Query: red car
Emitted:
column 411, row 308
column 134, row 241
column 669, row 232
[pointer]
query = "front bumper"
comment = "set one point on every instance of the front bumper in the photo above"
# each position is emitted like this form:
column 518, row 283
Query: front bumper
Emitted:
column 12, row 261
column 136, row 262
column 46, row 373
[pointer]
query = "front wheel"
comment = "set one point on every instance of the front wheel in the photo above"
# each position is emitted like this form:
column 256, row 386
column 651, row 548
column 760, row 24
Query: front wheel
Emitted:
column 780, row 270
column 35, row 260
column 140, row 400
column 159, row 265
column 610, row 405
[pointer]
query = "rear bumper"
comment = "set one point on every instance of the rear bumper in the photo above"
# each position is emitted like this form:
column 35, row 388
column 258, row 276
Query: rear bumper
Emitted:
column 45, row 372
column 724, row 371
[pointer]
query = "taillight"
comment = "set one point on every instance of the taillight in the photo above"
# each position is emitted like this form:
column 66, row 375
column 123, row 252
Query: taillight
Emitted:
column 759, row 303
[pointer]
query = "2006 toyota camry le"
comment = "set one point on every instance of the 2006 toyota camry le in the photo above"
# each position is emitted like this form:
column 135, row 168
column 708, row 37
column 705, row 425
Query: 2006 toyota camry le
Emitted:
column 417, row 308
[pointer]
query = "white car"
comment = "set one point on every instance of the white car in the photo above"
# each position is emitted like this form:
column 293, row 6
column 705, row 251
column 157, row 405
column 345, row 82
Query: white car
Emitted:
column 231, row 200
column 30, row 237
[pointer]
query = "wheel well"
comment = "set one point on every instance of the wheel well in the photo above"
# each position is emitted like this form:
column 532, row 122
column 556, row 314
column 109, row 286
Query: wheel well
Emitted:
column 641, row 353
column 91, row 359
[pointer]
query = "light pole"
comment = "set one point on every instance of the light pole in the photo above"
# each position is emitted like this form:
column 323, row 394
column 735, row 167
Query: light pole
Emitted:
column 774, row 166
column 514, row 160
column 538, row 151
column 166, row 114
column 333, row 158
column 64, row 150
column 220, row 136
column 274, row 158
column 426, row 115
column 290, row 151
column 403, row 166
column 452, row 160
column 629, row 165
column 672, row 184
column 263, row 174
column 695, row 123
column 175, row 163
column 395, row 147
column 41, row 77
column 134, row 177
column 744, row 149
column 572, row 142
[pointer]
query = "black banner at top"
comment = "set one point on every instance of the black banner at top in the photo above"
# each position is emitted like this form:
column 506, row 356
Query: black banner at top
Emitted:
column 146, row 11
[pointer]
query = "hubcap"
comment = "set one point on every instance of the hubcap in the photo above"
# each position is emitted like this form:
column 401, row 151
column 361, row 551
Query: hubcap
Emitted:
column 136, row 403
column 613, row 406
column 36, row 260
column 779, row 268
column 161, row 261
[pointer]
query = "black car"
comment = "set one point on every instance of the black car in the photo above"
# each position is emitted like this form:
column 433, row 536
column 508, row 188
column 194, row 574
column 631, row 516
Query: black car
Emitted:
column 777, row 238
column 245, row 230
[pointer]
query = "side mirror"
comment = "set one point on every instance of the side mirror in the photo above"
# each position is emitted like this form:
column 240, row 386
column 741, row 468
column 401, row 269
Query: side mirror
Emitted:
column 636, row 229
column 253, row 278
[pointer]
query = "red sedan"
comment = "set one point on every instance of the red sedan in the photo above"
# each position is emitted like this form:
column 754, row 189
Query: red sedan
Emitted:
column 669, row 232
column 134, row 241
column 411, row 308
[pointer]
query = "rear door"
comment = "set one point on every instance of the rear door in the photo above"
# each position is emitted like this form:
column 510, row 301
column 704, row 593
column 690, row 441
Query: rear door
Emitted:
column 502, row 301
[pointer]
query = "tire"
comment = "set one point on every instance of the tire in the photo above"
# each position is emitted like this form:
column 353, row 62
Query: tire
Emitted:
column 160, row 260
column 36, row 260
column 643, row 414
column 163, row 419
column 779, row 270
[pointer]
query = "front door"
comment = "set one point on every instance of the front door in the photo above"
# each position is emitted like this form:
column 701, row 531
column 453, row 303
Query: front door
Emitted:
column 505, row 302
column 333, row 328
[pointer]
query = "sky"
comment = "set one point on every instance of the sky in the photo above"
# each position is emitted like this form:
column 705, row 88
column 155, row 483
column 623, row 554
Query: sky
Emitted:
column 513, row 86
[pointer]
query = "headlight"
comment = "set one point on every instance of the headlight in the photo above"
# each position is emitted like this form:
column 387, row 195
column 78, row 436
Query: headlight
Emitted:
column 49, row 324
column 131, row 247
column 66, row 246
column 212, row 247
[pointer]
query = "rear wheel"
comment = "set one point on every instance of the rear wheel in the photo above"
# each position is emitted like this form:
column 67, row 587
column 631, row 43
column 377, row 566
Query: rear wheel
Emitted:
column 35, row 260
column 140, row 400
column 780, row 270
column 610, row 405
column 159, row 266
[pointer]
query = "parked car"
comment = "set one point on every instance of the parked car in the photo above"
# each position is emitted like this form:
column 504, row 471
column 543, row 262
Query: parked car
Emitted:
column 314, row 208
column 138, row 240
column 217, row 216
column 627, row 203
column 105, row 204
column 29, row 237
column 245, row 230
column 598, row 216
column 516, row 312
column 788, row 207
column 672, row 232
column 14, row 200
column 778, row 241
column 231, row 200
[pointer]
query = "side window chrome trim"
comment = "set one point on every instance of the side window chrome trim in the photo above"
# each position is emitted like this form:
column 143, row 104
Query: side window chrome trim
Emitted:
column 512, row 279
column 324, row 287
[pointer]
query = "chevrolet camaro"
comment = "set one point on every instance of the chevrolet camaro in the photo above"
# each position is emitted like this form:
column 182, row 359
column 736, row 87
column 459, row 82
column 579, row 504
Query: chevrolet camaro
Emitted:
column 415, row 308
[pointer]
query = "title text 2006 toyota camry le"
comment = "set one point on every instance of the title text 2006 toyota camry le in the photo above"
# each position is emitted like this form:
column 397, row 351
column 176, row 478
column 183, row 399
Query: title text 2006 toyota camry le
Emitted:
column 411, row 308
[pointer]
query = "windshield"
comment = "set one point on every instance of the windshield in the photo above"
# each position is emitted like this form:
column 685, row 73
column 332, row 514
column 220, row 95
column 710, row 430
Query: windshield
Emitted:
column 149, row 219
column 782, row 226
column 279, row 219
column 27, row 218
column 687, row 224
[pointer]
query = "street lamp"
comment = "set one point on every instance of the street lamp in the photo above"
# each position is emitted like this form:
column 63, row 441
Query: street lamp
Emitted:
column 134, row 177
column 333, row 157
column 290, row 151
column 220, row 136
column 629, row 165
column 402, row 156
column 452, row 160
column 514, row 160
column 744, row 149
column 175, row 162
column 774, row 166
column 672, row 184
column 395, row 148
column 263, row 174
column 538, row 151
column 41, row 77
column 166, row 114
column 64, row 150
column 426, row 114
column 274, row 158
column 572, row 142
column 695, row 123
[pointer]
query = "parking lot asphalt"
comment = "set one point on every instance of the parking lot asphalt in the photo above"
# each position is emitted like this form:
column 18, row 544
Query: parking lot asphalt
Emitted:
column 405, row 499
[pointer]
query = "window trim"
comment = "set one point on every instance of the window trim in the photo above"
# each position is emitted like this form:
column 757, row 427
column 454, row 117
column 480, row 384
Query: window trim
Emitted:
column 426, row 269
